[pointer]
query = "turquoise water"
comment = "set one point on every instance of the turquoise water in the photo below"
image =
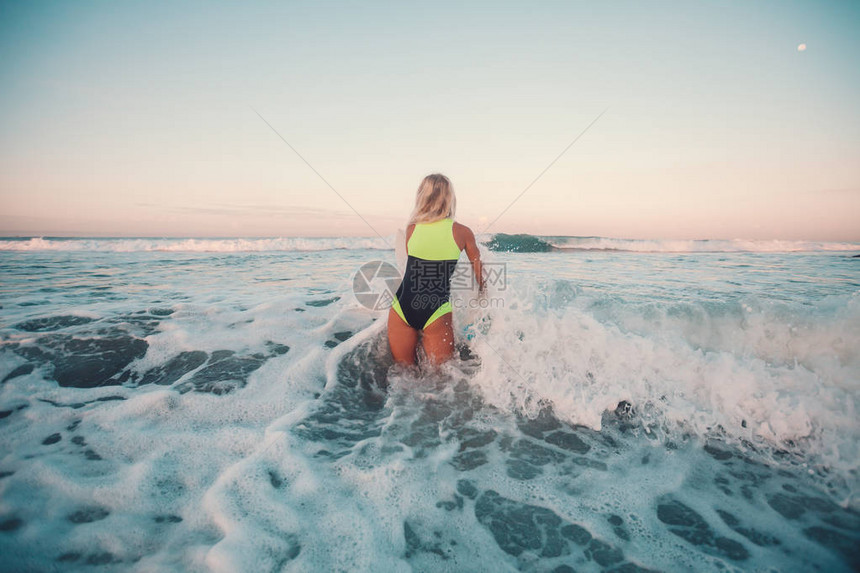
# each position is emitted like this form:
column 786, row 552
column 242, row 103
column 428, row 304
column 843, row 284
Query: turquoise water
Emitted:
column 228, row 405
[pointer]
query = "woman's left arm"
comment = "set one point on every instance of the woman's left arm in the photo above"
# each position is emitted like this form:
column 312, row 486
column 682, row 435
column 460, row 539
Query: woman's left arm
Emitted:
column 474, row 254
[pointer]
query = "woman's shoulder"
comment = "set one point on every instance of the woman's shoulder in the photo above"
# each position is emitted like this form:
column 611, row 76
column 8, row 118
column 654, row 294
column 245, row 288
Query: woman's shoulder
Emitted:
column 462, row 235
column 462, row 229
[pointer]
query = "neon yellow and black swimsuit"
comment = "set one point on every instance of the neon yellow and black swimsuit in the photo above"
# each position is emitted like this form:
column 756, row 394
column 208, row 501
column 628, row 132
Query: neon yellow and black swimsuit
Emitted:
column 425, row 293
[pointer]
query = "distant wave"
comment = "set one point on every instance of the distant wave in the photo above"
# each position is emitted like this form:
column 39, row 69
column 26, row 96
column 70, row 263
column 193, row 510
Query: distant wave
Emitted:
column 540, row 244
column 194, row 245
column 518, row 244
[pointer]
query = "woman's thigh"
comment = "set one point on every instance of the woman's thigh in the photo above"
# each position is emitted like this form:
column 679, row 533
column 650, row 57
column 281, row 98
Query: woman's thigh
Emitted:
column 438, row 339
column 402, row 339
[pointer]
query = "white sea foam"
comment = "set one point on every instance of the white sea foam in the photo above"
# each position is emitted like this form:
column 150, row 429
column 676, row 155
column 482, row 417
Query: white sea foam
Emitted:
column 237, row 245
column 276, row 244
column 698, row 246
column 294, row 471
column 767, row 372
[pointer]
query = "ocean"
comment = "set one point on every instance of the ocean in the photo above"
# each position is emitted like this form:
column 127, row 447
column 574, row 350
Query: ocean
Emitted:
column 614, row 405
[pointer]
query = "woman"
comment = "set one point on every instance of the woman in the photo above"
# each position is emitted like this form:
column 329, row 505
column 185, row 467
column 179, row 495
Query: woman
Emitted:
column 422, row 303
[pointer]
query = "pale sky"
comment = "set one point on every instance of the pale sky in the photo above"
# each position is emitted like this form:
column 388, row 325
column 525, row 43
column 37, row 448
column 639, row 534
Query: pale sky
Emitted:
column 724, row 119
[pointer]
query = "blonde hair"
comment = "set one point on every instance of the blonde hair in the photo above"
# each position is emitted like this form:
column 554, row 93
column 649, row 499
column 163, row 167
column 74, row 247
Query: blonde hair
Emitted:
column 435, row 200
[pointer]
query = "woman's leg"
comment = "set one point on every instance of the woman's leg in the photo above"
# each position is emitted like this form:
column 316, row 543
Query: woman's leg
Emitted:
column 438, row 339
column 402, row 339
